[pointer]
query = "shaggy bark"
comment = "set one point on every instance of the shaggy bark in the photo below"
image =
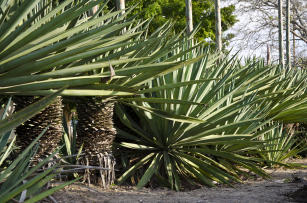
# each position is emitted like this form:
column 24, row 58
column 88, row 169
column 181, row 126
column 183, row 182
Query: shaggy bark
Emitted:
column 96, row 133
column 50, row 116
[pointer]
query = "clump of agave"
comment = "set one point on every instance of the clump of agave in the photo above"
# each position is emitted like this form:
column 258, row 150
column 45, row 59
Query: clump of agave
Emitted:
column 281, row 143
column 46, row 46
column 194, row 119
column 210, row 128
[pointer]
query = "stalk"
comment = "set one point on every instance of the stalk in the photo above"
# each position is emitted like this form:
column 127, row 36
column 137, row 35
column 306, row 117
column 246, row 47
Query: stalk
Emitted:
column 189, row 16
column 281, row 36
column 288, row 51
column 218, row 25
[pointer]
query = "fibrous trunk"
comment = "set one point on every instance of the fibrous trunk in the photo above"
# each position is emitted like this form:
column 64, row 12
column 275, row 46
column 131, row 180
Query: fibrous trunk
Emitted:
column 96, row 133
column 28, row 131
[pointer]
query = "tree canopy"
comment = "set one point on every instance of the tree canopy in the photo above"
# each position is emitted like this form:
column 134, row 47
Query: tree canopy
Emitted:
column 203, row 12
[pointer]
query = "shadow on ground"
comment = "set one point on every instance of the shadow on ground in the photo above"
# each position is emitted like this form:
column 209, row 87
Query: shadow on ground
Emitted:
column 286, row 185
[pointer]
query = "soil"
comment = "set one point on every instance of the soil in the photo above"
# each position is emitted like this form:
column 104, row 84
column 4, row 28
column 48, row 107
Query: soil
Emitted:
column 286, row 185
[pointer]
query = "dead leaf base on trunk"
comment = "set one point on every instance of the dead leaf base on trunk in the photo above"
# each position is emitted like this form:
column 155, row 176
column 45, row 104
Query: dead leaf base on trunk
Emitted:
column 29, row 130
column 96, row 132
column 103, row 178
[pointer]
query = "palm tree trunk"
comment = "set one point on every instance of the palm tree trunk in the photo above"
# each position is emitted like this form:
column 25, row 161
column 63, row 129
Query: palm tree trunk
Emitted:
column 288, row 51
column 52, row 115
column 96, row 132
column 281, row 36
column 218, row 25
column 189, row 16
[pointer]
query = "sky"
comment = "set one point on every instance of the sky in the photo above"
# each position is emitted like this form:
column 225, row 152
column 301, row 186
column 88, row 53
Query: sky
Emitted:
column 238, row 43
column 246, row 44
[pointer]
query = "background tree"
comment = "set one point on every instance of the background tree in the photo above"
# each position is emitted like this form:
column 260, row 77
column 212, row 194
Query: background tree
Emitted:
column 218, row 28
column 288, row 51
column 121, row 5
column 203, row 12
column 258, row 26
column 189, row 15
column 280, row 33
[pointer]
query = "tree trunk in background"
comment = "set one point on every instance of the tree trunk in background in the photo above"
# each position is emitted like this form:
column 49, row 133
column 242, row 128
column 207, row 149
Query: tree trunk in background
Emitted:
column 288, row 51
column 189, row 16
column 218, row 26
column 268, row 55
column 281, row 36
column 95, row 9
column 120, row 5
column 293, row 49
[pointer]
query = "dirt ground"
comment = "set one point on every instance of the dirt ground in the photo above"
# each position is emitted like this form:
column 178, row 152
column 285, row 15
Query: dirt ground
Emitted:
column 284, row 185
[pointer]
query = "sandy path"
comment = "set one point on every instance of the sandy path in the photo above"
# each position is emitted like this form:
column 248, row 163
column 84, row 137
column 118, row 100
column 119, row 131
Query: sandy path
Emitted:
column 283, row 182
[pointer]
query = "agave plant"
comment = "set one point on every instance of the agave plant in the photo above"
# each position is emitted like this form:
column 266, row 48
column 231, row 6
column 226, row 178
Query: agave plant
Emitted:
column 50, row 38
column 45, row 46
column 221, row 112
column 286, row 96
column 281, row 144
column 17, row 180
column 211, row 135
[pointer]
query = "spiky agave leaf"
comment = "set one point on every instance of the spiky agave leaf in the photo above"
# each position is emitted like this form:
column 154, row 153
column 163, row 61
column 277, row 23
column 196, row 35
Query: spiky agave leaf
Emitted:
column 281, row 144
column 46, row 47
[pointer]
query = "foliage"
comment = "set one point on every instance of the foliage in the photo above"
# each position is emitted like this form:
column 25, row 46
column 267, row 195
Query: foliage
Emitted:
column 58, row 46
column 17, row 178
column 162, row 11
column 281, row 144
column 45, row 47
column 302, row 137
column 189, row 117
column 286, row 99
column 69, row 140
column 207, row 144
column 208, row 127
